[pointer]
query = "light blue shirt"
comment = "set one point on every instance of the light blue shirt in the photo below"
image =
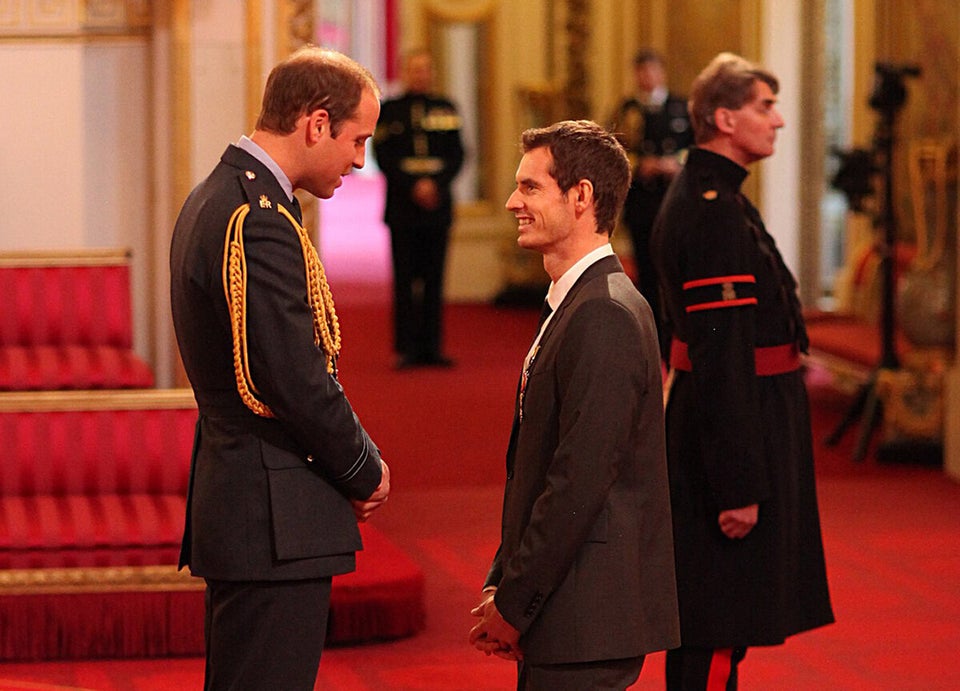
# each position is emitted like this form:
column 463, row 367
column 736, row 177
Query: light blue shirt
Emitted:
column 255, row 150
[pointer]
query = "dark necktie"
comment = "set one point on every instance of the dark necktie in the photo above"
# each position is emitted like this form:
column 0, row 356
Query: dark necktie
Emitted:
column 545, row 312
column 297, row 211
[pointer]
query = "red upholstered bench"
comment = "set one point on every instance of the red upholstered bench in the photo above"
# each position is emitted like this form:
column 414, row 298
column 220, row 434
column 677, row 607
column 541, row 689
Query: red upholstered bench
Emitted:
column 66, row 322
column 92, row 494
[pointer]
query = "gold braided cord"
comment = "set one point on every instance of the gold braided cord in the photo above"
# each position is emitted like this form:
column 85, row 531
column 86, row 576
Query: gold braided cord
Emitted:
column 235, row 289
column 326, row 326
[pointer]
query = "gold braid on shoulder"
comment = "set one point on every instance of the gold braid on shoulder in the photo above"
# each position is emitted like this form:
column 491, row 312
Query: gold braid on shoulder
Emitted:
column 326, row 327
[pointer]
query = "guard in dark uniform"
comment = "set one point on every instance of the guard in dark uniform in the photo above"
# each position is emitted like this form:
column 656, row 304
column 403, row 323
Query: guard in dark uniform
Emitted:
column 750, row 563
column 418, row 148
column 654, row 128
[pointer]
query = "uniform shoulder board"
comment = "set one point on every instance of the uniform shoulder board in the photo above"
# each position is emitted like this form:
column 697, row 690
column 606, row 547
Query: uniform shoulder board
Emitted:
column 258, row 195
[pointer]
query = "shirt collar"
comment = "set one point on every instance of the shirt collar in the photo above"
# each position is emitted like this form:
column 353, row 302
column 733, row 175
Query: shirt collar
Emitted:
column 255, row 150
column 655, row 98
column 559, row 289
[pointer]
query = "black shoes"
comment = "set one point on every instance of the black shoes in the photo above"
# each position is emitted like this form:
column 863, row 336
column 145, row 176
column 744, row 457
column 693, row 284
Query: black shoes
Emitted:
column 405, row 362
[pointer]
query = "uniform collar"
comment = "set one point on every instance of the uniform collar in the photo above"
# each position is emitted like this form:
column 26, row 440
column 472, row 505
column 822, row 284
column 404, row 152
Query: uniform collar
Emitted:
column 255, row 150
column 726, row 168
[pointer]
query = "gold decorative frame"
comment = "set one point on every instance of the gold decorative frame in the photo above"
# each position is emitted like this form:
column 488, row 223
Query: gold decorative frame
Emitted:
column 60, row 581
column 483, row 13
column 68, row 257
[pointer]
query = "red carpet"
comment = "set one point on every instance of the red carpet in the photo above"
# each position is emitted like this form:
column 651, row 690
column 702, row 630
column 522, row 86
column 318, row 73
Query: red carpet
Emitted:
column 891, row 533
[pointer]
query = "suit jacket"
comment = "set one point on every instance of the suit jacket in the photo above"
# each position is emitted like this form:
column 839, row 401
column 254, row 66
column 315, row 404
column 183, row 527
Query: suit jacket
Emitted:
column 268, row 498
column 585, row 568
column 418, row 135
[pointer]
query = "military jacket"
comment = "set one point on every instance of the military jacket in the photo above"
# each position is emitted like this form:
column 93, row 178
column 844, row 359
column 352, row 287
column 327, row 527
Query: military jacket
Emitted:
column 418, row 135
column 736, row 436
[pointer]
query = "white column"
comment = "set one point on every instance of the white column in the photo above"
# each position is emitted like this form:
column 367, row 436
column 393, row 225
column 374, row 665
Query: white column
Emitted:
column 781, row 172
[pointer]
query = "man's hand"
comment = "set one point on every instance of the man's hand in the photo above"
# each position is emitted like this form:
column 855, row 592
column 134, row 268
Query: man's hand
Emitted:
column 737, row 523
column 364, row 508
column 426, row 194
column 493, row 635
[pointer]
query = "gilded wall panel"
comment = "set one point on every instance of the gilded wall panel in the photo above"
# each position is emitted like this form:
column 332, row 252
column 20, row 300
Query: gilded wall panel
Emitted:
column 925, row 33
column 66, row 18
column 697, row 31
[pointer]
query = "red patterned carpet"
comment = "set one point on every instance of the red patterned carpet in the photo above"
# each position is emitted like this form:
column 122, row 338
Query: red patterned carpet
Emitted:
column 891, row 532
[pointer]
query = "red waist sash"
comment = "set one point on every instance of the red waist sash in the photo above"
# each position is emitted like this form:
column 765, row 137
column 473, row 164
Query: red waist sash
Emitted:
column 770, row 361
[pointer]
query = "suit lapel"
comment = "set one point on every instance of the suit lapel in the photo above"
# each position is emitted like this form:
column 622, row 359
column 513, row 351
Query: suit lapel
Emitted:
column 607, row 265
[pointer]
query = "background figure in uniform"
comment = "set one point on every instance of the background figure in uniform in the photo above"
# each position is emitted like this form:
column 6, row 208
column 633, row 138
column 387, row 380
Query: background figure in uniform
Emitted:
column 653, row 126
column 750, row 564
column 582, row 585
column 418, row 148
column 282, row 470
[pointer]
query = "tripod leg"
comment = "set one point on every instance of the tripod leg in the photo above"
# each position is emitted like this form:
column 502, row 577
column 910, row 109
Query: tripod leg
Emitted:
column 853, row 412
column 869, row 422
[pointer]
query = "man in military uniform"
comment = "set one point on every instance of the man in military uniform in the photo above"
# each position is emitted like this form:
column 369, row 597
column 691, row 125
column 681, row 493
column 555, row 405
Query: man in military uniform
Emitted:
column 282, row 470
column 653, row 126
column 418, row 148
column 750, row 564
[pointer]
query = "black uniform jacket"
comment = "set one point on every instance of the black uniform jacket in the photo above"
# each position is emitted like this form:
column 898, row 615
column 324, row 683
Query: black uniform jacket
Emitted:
column 269, row 498
column 585, row 565
column 734, row 437
column 418, row 135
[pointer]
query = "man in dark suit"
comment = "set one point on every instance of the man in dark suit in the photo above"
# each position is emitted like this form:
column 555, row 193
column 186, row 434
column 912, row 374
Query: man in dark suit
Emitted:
column 282, row 470
column 582, row 586
column 750, row 564
column 418, row 148
column 653, row 126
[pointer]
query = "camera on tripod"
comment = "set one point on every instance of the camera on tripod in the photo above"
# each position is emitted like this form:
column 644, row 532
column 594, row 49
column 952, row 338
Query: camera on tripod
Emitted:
column 858, row 167
column 889, row 92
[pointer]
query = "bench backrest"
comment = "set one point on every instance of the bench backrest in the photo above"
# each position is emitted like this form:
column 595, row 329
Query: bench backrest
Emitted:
column 96, row 442
column 66, row 298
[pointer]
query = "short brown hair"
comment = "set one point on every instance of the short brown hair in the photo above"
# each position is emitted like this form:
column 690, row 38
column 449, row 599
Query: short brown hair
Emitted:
column 312, row 78
column 645, row 55
column 583, row 150
column 728, row 81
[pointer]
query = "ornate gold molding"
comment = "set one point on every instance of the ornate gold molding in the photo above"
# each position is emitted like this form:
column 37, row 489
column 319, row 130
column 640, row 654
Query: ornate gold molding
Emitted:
column 65, row 257
column 93, row 400
column 576, row 86
column 295, row 30
column 296, row 25
column 96, row 580
column 75, row 18
column 467, row 11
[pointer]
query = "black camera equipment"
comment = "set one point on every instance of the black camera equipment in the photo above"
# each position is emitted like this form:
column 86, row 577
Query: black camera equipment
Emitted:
column 859, row 168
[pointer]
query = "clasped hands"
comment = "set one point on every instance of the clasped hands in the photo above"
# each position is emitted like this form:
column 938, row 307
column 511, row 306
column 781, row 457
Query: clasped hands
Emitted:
column 364, row 508
column 426, row 194
column 493, row 635
column 736, row 524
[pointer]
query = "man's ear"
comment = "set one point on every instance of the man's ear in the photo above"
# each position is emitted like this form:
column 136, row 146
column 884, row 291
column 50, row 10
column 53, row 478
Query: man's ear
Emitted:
column 318, row 124
column 583, row 194
column 724, row 119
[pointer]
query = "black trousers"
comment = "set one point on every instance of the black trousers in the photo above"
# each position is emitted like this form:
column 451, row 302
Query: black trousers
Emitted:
column 703, row 669
column 616, row 675
column 419, row 258
column 265, row 634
